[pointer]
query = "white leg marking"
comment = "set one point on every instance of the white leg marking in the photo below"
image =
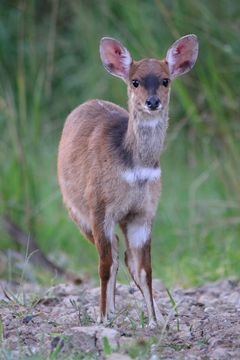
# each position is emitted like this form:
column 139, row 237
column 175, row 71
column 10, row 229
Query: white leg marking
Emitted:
column 159, row 316
column 137, row 234
column 140, row 279
column 141, row 174
column 110, row 305
column 109, row 226
column 146, row 293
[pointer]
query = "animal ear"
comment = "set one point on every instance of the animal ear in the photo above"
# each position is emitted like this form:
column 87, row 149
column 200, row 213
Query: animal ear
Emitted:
column 182, row 55
column 115, row 58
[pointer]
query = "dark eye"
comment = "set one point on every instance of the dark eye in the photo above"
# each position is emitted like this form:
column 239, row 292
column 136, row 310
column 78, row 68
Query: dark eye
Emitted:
column 135, row 83
column 165, row 82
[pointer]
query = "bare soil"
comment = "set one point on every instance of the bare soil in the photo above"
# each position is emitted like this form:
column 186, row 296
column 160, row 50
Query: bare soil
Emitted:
column 60, row 322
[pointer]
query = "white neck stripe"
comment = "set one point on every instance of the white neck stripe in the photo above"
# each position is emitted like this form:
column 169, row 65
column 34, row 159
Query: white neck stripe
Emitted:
column 141, row 174
column 150, row 123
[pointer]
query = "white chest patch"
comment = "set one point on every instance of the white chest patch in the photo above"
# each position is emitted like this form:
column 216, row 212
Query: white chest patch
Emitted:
column 141, row 174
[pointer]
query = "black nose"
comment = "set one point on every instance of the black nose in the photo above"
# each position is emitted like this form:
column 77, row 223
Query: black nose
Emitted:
column 153, row 102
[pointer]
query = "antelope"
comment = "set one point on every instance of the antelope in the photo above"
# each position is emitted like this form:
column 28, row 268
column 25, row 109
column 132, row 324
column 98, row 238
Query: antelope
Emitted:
column 108, row 164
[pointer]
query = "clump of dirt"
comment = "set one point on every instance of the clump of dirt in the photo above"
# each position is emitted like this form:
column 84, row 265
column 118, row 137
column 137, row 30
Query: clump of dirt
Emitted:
column 200, row 323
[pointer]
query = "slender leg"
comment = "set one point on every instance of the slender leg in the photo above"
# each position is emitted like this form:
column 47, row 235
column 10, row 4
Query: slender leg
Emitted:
column 139, row 264
column 138, row 260
column 111, row 286
column 107, row 245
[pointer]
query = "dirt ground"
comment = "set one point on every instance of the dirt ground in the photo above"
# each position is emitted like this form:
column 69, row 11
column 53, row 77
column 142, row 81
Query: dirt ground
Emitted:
column 60, row 322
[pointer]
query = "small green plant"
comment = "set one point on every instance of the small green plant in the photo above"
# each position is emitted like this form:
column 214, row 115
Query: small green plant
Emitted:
column 13, row 299
column 133, row 323
column 58, row 345
column 106, row 346
column 83, row 316
column 175, row 308
column 203, row 341
column 179, row 347
column 1, row 330
column 142, row 319
column 141, row 348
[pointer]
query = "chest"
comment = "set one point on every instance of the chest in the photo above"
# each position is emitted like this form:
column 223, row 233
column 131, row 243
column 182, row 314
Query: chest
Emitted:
column 142, row 189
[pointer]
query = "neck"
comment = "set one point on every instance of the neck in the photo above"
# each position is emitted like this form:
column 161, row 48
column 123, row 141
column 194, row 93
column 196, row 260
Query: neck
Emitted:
column 145, row 137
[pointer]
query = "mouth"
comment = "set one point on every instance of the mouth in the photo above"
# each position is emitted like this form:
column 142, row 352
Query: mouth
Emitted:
column 153, row 111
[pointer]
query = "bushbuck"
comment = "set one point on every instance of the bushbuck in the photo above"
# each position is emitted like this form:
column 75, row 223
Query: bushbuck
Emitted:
column 108, row 164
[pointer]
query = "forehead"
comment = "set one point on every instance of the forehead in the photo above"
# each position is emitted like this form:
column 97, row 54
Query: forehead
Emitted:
column 145, row 67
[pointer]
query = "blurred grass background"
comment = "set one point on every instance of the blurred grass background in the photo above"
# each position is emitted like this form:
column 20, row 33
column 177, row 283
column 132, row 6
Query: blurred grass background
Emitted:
column 49, row 63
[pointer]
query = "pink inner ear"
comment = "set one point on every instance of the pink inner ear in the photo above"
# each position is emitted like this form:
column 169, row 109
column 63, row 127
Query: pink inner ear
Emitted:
column 116, row 59
column 182, row 55
column 118, row 51
column 179, row 48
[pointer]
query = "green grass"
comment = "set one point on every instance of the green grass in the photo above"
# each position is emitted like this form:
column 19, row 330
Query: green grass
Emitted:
column 49, row 63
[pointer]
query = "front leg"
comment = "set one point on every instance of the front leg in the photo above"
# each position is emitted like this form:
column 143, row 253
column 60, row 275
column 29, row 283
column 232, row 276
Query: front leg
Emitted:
column 107, row 245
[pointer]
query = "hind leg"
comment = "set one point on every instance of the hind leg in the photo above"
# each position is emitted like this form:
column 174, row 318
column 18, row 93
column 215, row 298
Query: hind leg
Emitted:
column 111, row 286
column 138, row 260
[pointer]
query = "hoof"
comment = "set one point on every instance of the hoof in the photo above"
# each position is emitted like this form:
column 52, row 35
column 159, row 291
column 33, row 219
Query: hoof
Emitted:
column 158, row 314
column 99, row 320
column 107, row 319
column 152, row 324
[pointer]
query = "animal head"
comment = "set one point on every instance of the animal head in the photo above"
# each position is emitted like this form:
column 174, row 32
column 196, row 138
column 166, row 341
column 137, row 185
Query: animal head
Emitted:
column 149, row 80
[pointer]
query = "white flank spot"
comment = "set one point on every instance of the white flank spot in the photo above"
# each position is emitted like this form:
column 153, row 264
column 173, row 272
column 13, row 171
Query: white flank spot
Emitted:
column 137, row 234
column 141, row 174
